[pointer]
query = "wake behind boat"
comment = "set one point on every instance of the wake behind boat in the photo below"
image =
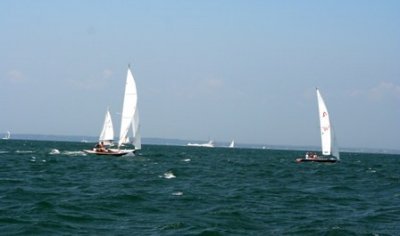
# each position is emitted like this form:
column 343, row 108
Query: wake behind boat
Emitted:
column 330, row 152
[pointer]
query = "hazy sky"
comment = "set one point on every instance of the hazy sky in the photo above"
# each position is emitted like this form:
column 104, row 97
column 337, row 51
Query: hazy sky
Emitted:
column 204, row 69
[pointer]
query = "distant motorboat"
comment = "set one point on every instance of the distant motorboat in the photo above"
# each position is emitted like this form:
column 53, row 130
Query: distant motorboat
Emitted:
column 210, row 144
column 7, row 136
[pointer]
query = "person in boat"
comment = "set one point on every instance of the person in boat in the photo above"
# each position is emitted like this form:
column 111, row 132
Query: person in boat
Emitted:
column 100, row 147
column 311, row 155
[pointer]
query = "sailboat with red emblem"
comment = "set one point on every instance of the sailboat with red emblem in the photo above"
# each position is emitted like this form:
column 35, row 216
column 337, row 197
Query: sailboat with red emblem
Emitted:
column 330, row 151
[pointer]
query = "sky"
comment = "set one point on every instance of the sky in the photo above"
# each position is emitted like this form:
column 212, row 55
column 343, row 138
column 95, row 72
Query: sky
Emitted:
column 222, row 70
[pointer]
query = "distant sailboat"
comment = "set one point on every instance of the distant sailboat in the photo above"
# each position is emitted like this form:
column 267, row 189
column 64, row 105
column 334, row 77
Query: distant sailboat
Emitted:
column 330, row 151
column 209, row 144
column 129, row 117
column 7, row 136
column 232, row 144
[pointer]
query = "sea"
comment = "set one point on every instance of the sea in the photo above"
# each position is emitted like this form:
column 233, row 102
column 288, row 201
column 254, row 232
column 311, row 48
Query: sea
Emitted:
column 54, row 188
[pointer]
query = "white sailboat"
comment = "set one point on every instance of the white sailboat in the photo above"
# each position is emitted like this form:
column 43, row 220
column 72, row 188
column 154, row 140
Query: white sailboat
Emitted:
column 7, row 136
column 232, row 144
column 129, row 109
column 107, row 133
column 330, row 151
column 129, row 117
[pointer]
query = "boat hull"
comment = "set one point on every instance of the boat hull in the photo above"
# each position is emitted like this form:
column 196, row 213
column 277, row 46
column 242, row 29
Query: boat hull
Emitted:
column 108, row 153
column 318, row 159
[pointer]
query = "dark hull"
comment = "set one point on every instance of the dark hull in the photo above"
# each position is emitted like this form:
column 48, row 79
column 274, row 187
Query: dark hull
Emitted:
column 327, row 160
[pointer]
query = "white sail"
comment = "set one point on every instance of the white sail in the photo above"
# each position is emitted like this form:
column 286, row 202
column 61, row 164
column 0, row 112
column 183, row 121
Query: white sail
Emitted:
column 328, row 139
column 232, row 145
column 107, row 133
column 129, row 107
column 137, row 140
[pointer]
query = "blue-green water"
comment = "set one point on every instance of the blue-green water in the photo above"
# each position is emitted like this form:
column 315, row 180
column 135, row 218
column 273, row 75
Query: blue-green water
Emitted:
column 169, row 190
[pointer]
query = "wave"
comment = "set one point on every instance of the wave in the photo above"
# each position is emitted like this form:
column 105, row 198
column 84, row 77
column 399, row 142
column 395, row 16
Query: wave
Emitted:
column 54, row 151
column 74, row 153
column 177, row 193
column 24, row 151
column 169, row 175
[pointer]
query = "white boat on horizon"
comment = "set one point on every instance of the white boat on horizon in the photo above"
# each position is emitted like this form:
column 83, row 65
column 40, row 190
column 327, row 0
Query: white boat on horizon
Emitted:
column 7, row 136
column 330, row 150
column 209, row 144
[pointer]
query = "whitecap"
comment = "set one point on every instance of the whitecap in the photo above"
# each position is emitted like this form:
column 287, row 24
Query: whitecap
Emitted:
column 54, row 152
column 3, row 152
column 177, row 193
column 130, row 154
column 74, row 153
column 24, row 152
column 169, row 175
column 186, row 160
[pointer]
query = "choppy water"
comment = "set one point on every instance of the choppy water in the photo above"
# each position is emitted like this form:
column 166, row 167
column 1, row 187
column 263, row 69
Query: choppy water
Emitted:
column 169, row 190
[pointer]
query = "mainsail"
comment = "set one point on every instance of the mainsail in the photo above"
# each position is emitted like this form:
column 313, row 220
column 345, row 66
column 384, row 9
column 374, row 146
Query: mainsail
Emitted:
column 328, row 139
column 107, row 133
column 129, row 107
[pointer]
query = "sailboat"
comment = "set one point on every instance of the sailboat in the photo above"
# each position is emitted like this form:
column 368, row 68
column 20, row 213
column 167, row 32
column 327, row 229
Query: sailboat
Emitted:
column 129, row 117
column 232, row 144
column 7, row 136
column 330, row 151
